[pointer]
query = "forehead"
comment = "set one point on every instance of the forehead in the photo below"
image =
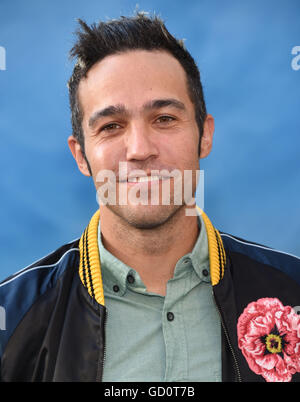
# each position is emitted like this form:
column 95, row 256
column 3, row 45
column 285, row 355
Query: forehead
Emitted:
column 133, row 78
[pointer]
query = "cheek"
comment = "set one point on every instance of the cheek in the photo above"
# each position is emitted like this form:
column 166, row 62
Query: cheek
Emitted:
column 103, row 156
column 182, row 151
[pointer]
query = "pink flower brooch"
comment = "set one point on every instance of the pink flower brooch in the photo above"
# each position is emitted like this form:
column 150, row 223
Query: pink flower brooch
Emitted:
column 269, row 338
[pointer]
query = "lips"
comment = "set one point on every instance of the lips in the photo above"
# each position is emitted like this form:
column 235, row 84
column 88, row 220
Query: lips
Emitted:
column 143, row 178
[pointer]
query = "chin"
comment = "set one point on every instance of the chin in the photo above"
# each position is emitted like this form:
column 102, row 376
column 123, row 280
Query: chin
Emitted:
column 145, row 216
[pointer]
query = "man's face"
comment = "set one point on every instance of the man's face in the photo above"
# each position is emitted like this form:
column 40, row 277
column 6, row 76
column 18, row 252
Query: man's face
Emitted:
column 137, row 110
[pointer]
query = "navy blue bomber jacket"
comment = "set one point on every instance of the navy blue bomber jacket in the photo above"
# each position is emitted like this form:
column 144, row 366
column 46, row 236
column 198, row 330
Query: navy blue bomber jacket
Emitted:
column 52, row 326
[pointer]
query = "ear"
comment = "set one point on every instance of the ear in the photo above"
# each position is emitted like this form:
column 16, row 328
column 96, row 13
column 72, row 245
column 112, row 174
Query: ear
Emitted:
column 207, row 136
column 78, row 155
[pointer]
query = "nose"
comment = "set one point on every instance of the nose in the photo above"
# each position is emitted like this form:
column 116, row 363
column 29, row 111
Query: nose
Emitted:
column 140, row 144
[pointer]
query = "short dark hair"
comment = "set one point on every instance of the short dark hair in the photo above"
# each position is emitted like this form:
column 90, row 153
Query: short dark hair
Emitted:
column 140, row 31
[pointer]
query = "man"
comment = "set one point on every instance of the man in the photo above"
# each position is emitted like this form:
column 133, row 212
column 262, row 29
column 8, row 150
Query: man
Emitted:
column 151, row 291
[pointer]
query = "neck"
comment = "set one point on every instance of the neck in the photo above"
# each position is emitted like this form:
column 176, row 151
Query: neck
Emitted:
column 153, row 253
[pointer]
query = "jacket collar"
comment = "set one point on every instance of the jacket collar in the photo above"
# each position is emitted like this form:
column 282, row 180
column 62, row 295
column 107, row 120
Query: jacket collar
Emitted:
column 90, row 268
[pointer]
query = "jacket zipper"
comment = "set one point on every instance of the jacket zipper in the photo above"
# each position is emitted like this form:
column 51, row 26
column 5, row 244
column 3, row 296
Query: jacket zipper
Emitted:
column 237, row 370
column 100, row 378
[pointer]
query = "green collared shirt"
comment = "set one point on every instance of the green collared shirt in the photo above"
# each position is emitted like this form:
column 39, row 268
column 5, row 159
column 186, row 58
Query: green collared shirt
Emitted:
column 149, row 337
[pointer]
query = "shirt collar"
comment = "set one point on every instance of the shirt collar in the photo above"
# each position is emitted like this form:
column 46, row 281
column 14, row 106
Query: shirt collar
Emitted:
column 116, row 273
column 198, row 259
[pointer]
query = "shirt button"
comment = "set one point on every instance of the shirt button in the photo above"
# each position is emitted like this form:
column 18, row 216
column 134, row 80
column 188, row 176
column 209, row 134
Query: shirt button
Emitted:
column 205, row 272
column 170, row 316
column 130, row 279
column 116, row 288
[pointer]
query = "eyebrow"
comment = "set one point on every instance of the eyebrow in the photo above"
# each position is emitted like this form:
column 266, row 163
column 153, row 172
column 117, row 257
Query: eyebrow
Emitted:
column 113, row 110
column 159, row 103
column 108, row 111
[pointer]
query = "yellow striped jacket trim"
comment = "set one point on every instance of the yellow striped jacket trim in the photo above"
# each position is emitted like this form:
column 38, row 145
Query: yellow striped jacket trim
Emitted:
column 90, row 267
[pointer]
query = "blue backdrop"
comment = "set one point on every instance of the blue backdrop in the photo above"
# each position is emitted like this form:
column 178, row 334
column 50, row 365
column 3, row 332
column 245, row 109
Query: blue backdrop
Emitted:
column 244, row 52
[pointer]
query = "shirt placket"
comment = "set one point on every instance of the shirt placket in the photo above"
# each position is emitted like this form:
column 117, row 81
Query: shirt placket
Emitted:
column 174, row 332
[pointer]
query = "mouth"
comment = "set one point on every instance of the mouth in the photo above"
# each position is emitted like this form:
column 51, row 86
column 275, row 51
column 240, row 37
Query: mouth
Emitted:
column 144, row 179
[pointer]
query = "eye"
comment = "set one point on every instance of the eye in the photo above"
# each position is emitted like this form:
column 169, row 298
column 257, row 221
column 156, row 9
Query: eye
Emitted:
column 165, row 119
column 110, row 127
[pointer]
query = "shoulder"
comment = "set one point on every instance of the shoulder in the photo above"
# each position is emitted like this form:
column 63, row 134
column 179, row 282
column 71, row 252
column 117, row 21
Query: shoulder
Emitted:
column 22, row 289
column 261, row 254
column 50, row 266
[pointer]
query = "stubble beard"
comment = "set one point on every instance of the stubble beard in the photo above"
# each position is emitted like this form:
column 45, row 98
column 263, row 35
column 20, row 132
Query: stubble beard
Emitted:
column 145, row 216
column 152, row 215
